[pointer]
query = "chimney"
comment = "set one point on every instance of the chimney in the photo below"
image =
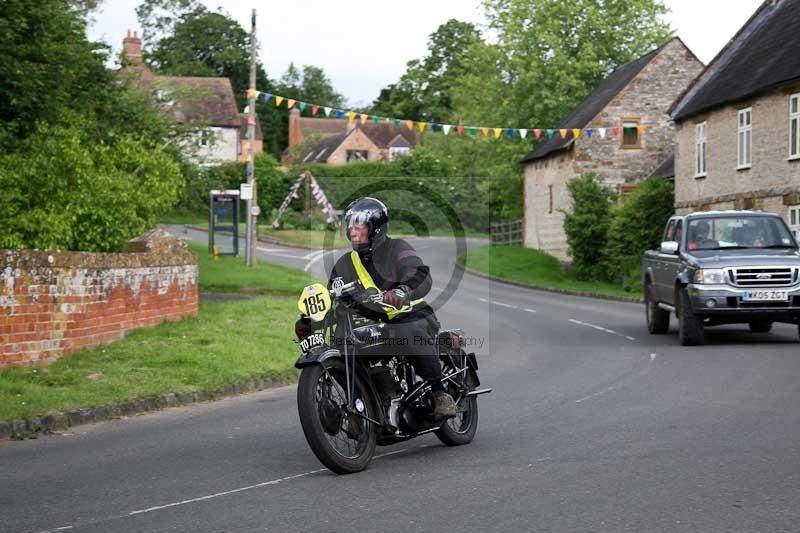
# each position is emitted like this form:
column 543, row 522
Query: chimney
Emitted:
column 132, row 48
column 295, row 135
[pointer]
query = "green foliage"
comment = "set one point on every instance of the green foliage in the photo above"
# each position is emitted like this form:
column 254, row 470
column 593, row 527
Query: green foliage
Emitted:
column 64, row 191
column 586, row 225
column 636, row 226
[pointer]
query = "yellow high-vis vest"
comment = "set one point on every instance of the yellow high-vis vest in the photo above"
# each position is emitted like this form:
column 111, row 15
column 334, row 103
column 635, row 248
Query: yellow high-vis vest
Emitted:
column 368, row 283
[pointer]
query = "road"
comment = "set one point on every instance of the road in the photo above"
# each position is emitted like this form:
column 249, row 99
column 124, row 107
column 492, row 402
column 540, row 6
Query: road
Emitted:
column 593, row 425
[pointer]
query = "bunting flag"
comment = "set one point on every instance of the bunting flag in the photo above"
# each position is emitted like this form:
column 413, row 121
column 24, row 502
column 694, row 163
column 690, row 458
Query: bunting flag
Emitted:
column 472, row 131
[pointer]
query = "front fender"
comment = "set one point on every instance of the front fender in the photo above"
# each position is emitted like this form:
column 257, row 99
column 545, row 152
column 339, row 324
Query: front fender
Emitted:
column 313, row 357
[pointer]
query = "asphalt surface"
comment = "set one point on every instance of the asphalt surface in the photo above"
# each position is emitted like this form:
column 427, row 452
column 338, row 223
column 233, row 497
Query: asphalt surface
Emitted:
column 593, row 425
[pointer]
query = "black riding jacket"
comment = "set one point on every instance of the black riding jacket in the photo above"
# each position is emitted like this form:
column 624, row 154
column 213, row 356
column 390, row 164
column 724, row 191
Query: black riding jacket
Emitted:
column 391, row 264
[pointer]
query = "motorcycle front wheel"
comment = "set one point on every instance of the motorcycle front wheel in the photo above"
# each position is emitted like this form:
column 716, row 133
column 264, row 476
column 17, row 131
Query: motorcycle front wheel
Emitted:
column 461, row 429
column 342, row 441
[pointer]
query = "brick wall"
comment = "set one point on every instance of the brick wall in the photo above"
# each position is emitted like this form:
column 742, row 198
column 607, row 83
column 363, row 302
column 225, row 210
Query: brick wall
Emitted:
column 54, row 303
column 772, row 183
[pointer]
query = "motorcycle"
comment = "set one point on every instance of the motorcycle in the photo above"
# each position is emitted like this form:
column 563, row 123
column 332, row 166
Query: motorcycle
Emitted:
column 352, row 396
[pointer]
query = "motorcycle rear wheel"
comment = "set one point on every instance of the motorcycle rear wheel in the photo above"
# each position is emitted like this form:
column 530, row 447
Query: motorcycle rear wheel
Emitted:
column 320, row 391
column 461, row 429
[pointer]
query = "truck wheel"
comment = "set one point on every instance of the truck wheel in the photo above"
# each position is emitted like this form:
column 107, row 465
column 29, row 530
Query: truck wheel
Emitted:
column 690, row 326
column 657, row 318
column 761, row 326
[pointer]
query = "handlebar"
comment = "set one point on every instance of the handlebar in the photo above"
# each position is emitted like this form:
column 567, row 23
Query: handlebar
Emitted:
column 354, row 287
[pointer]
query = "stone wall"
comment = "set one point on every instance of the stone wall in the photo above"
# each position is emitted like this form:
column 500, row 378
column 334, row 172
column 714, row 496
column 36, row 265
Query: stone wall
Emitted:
column 647, row 97
column 55, row 303
column 772, row 182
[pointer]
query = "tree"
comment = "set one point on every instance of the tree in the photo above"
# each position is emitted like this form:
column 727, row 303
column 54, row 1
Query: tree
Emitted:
column 586, row 225
column 424, row 92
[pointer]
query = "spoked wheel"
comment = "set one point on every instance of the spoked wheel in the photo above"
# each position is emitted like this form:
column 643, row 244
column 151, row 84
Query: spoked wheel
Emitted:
column 343, row 441
column 461, row 429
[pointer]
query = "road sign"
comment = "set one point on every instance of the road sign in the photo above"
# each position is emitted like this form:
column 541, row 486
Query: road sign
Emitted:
column 246, row 191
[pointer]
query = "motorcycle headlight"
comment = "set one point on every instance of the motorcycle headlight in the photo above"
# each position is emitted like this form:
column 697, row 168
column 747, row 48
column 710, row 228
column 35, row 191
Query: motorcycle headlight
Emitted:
column 710, row 276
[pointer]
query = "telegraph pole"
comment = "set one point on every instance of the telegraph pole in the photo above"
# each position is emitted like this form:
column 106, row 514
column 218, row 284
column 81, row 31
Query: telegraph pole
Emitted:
column 252, row 204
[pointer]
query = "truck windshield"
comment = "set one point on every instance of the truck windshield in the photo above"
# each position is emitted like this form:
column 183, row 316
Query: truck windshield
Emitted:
column 719, row 233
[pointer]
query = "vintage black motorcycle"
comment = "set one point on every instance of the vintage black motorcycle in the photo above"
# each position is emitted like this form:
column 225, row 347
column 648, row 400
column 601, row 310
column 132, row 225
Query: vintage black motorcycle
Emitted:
column 351, row 396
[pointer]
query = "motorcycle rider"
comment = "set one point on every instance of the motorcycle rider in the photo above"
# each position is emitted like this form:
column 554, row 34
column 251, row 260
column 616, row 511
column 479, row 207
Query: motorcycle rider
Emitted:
column 393, row 266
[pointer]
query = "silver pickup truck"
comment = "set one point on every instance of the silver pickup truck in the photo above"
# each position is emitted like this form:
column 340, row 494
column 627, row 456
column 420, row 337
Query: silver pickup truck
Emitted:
column 722, row 267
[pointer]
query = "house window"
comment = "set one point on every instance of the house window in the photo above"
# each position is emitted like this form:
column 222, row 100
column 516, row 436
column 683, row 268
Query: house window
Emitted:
column 700, row 150
column 630, row 133
column 357, row 155
column 794, row 126
column 744, row 147
column 550, row 192
column 398, row 151
column 794, row 221
column 205, row 138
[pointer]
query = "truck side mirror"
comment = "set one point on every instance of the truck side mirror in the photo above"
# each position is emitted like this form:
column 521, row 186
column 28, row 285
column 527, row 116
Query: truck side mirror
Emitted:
column 669, row 247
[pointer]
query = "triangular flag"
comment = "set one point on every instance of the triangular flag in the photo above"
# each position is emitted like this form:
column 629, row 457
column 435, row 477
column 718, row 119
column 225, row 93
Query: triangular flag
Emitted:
column 376, row 119
column 485, row 132
column 278, row 101
column 602, row 133
column 339, row 113
column 290, row 103
column 576, row 133
column 473, row 131
column 563, row 133
column 446, row 129
column 327, row 111
column 510, row 133
column 550, row 133
column 302, row 106
column 396, row 122
column 640, row 129
column 410, row 124
column 537, row 133
column 497, row 132
column 421, row 126
column 267, row 96
column 459, row 129
column 351, row 116
column 615, row 131
column 589, row 132
column 434, row 127
column 252, row 93
column 364, row 118
column 524, row 133
column 314, row 110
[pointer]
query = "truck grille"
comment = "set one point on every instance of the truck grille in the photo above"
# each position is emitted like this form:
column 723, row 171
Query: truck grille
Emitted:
column 763, row 276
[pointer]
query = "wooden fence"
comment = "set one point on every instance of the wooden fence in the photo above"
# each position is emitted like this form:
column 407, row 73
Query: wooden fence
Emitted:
column 507, row 232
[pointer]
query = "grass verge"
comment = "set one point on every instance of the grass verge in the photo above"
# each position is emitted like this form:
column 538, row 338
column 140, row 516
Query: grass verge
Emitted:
column 536, row 268
column 228, row 343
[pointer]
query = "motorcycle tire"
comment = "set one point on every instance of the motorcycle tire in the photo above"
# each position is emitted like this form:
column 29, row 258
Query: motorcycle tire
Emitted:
column 461, row 429
column 326, row 445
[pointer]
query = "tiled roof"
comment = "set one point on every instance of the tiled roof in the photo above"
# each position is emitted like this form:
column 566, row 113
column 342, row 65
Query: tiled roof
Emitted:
column 666, row 169
column 382, row 133
column 204, row 100
column 761, row 56
column 593, row 104
column 321, row 151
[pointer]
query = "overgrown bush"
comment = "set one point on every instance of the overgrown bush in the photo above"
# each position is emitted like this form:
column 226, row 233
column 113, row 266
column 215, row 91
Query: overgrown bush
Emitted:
column 586, row 225
column 62, row 191
column 636, row 226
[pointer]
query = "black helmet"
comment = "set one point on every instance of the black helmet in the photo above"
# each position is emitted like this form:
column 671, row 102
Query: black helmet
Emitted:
column 368, row 211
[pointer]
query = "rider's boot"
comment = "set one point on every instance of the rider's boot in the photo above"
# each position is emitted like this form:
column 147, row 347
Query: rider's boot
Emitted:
column 443, row 404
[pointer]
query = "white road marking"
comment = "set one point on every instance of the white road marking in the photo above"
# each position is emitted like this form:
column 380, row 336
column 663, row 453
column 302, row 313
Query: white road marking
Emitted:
column 601, row 328
column 596, row 394
column 653, row 356
column 529, row 310
column 316, row 258
column 313, row 254
column 503, row 304
column 273, row 251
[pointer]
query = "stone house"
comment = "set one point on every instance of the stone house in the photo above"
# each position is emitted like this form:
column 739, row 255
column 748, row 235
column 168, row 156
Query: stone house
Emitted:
column 343, row 141
column 632, row 137
column 205, row 102
column 738, row 125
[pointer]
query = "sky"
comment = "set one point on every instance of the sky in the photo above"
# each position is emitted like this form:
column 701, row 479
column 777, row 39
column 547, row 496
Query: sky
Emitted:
column 364, row 45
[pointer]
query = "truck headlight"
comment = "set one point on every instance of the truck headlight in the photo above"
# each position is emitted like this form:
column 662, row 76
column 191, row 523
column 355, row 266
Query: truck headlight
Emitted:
column 710, row 276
